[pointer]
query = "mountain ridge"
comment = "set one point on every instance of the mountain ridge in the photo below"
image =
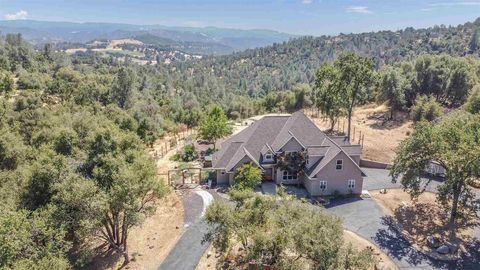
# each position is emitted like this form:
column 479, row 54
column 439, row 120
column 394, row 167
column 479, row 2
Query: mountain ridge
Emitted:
column 39, row 32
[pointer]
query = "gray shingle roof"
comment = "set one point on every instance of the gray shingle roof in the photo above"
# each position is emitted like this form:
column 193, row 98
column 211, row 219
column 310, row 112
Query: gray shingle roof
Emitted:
column 273, row 132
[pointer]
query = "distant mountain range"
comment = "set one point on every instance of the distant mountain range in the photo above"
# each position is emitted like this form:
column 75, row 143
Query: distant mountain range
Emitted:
column 222, row 40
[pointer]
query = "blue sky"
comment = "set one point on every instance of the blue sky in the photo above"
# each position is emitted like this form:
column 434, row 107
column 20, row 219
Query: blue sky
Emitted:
column 313, row 17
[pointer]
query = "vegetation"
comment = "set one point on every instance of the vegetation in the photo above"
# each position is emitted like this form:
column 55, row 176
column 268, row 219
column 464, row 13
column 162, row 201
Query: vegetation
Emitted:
column 348, row 81
column 260, row 72
column 247, row 177
column 284, row 233
column 186, row 155
column 392, row 90
column 473, row 102
column 453, row 143
column 214, row 126
column 73, row 132
column 425, row 108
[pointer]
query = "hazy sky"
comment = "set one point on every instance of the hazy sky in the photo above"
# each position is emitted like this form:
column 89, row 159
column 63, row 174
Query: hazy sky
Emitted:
column 313, row 17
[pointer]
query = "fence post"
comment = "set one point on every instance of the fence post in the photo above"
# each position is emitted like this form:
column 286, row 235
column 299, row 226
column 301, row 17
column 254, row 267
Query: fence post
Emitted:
column 360, row 137
column 363, row 140
column 353, row 134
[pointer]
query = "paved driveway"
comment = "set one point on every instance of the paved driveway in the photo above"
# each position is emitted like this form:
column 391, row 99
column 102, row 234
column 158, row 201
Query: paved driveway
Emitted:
column 366, row 218
column 190, row 248
column 379, row 179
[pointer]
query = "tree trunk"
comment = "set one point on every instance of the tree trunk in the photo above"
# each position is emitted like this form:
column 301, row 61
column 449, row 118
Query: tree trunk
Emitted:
column 125, row 257
column 454, row 212
column 349, row 123
column 332, row 123
column 214, row 145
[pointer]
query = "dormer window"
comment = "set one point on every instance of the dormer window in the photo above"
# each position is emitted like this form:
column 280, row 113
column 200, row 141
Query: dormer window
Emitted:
column 268, row 156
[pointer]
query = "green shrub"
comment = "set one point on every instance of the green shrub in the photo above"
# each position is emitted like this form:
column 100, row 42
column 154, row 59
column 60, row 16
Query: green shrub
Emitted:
column 175, row 157
column 473, row 102
column 248, row 177
column 425, row 108
column 188, row 153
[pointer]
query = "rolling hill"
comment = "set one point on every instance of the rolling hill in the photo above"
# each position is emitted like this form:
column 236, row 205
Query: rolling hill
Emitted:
column 221, row 40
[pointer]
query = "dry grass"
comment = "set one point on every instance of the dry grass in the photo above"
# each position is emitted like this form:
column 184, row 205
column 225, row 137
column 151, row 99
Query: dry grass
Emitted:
column 424, row 217
column 382, row 136
column 149, row 243
column 212, row 260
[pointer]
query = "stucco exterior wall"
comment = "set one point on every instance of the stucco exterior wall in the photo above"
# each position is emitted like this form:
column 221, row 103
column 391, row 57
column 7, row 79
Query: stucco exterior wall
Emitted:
column 245, row 160
column 222, row 179
column 356, row 159
column 337, row 180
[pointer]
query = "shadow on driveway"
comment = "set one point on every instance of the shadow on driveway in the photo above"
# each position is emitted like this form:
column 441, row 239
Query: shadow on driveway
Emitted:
column 391, row 240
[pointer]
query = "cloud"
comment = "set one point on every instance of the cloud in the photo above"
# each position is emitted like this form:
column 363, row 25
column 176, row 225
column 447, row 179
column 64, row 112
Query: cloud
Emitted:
column 306, row 2
column 358, row 9
column 20, row 15
column 453, row 4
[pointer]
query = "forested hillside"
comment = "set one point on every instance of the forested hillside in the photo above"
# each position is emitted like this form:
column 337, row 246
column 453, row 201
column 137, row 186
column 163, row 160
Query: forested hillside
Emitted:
column 259, row 71
column 73, row 129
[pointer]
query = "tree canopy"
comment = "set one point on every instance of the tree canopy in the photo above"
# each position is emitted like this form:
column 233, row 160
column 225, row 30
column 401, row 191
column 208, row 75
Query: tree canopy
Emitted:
column 453, row 143
column 214, row 126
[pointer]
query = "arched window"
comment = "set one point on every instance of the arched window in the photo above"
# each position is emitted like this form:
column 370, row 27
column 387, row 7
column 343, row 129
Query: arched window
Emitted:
column 287, row 175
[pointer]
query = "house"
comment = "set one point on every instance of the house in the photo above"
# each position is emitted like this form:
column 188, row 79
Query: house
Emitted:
column 331, row 164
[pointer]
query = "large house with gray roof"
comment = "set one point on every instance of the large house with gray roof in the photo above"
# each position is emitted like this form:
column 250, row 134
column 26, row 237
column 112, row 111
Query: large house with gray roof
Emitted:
column 331, row 164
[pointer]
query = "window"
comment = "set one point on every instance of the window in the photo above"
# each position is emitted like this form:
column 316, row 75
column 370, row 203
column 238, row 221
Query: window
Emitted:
column 323, row 185
column 289, row 175
column 339, row 165
column 268, row 157
column 351, row 184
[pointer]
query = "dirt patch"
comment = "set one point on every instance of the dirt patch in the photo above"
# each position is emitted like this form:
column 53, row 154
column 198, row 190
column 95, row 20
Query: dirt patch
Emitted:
column 371, row 122
column 151, row 242
column 360, row 244
column 210, row 260
column 213, row 260
column 422, row 218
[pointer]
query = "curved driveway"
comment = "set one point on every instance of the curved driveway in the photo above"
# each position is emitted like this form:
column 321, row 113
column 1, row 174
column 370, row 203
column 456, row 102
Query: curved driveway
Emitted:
column 366, row 218
column 190, row 248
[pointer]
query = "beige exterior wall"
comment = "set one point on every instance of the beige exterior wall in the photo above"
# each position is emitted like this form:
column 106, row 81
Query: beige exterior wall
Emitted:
column 356, row 159
column 245, row 160
column 222, row 179
column 292, row 146
column 337, row 180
